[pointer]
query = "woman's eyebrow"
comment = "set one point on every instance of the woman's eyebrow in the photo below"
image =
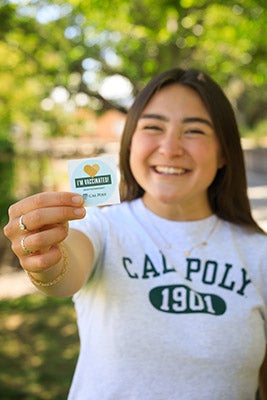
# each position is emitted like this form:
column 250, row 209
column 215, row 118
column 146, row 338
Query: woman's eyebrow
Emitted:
column 184, row 120
column 198, row 119
column 154, row 116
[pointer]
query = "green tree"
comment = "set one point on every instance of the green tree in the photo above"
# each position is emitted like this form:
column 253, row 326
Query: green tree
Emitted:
column 58, row 55
column 76, row 45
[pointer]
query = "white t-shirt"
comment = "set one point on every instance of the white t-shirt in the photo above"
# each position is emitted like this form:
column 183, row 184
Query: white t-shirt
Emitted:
column 157, row 324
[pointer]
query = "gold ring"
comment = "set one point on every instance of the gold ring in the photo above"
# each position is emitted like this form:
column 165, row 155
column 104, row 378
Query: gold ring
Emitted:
column 22, row 226
column 24, row 248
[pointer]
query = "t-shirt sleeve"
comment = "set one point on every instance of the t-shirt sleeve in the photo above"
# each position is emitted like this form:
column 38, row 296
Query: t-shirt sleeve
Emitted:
column 93, row 226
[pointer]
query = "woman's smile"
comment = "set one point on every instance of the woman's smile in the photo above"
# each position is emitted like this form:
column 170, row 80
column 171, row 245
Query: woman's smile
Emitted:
column 165, row 170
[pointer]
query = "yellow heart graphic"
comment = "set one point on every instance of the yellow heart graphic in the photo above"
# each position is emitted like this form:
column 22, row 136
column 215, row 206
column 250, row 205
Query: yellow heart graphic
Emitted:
column 91, row 170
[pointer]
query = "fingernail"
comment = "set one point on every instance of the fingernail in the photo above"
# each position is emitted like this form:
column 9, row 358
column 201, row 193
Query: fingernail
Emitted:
column 77, row 199
column 78, row 211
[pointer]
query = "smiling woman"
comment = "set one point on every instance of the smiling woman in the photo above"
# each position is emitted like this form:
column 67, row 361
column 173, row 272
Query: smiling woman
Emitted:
column 175, row 154
column 231, row 178
column 170, row 286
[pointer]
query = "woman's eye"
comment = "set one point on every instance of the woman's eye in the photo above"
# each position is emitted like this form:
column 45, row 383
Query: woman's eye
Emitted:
column 195, row 131
column 152, row 127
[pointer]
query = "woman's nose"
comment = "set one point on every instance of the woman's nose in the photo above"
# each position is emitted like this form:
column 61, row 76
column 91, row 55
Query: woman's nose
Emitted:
column 172, row 144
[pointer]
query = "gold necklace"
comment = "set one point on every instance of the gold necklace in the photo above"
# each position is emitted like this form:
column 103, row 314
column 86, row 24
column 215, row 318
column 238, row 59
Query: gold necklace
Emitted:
column 188, row 252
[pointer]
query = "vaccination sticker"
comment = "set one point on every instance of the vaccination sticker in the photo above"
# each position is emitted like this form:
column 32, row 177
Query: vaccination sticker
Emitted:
column 95, row 179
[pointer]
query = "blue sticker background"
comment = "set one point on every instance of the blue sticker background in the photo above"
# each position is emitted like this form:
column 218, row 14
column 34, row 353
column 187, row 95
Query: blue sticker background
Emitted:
column 94, row 194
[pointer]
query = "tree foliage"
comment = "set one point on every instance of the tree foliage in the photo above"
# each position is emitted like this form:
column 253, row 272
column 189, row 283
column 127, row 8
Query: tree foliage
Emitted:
column 74, row 45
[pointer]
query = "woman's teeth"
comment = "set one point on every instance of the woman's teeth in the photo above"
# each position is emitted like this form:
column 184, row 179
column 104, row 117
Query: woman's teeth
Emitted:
column 170, row 170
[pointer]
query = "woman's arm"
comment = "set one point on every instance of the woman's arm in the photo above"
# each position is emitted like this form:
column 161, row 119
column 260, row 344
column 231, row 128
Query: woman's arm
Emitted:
column 76, row 265
column 57, row 260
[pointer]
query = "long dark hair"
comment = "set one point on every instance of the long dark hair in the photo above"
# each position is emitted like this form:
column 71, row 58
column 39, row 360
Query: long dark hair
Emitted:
column 228, row 192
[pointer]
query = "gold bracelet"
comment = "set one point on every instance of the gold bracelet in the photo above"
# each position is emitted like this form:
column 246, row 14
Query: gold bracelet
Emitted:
column 57, row 278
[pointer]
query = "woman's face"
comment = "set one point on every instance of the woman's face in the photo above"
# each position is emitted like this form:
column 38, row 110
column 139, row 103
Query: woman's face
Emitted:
column 175, row 154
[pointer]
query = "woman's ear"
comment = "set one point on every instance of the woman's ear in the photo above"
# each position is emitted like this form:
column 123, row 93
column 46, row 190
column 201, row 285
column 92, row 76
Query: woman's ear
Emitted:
column 221, row 162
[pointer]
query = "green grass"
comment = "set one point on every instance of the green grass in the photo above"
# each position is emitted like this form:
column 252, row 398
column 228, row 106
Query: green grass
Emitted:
column 38, row 348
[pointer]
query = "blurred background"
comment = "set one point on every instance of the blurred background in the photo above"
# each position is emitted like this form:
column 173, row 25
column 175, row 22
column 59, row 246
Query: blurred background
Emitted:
column 69, row 71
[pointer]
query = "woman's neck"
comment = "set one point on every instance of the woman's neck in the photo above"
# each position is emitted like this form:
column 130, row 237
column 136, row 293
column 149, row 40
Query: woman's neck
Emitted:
column 177, row 211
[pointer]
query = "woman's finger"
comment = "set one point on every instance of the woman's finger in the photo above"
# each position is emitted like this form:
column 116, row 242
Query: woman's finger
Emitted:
column 39, row 218
column 44, row 200
column 40, row 242
column 39, row 262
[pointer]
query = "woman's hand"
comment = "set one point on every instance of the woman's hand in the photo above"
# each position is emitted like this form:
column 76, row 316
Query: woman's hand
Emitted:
column 38, row 224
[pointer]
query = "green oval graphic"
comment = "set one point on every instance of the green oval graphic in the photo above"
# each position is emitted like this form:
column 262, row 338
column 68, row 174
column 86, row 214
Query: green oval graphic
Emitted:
column 180, row 299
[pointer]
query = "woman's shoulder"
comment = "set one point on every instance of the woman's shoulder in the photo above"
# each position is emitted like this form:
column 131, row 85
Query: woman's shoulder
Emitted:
column 247, row 236
column 123, row 208
column 115, row 212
